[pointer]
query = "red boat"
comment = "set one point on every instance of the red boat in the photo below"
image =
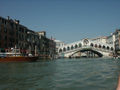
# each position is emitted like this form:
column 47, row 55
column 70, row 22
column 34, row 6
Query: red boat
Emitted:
column 18, row 58
column 15, row 55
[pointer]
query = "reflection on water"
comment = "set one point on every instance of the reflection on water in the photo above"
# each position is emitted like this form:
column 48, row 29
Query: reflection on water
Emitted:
column 71, row 74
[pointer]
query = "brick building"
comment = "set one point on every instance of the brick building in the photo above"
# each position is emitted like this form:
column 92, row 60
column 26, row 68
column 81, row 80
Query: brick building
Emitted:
column 8, row 33
column 13, row 34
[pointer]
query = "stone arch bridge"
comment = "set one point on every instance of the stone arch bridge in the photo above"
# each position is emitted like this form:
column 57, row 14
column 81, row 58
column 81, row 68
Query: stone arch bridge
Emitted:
column 92, row 47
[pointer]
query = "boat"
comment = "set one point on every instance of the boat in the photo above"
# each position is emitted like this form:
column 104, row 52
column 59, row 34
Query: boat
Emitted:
column 16, row 56
column 22, row 58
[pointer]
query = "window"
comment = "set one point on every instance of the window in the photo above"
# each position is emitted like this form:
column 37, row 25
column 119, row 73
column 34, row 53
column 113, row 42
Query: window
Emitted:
column 64, row 49
column 5, row 22
column 5, row 30
column 2, row 20
column 12, row 25
column 76, row 46
column 80, row 45
column 95, row 45
column 111, row 48
column 99, row 46
column 68, row 48
column 91, row 44
column 107, row 47
column 72, row 47
column 5, row 38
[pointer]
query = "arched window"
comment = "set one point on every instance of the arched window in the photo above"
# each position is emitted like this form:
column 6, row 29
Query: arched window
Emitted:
column 80, row 45
column 99, row 46
column 68, row 48
column 60, row 50
column 91, row 44
column 108, row 48
column 112, row 48
column 76, row 46
column 72, row 47
column 64, row 49
column 103, row 47
column 95, row 45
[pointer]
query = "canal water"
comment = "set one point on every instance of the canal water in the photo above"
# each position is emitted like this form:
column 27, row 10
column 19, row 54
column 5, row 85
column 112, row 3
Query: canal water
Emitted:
column 61, row 74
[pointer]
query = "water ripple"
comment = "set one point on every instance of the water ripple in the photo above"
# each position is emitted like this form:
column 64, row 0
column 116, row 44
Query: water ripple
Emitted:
column 65, row 74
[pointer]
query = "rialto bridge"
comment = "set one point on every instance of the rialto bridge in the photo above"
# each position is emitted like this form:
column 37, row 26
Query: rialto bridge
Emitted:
column 86, row 47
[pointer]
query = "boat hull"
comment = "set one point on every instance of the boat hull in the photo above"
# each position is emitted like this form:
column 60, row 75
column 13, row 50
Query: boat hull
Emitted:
column 17, row 59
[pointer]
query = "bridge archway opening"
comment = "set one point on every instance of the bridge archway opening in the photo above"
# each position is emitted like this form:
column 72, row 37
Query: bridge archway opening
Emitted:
column 72, row 47
column 100, row 46
column 68, row 48
column 112, row 48
column 64, row 49
column 96, row 46
column 108, row 48
column 60, row 50
column 104, row 47
column 91, row 44
column 76, row 46
column 89, row 52
column 80, row 45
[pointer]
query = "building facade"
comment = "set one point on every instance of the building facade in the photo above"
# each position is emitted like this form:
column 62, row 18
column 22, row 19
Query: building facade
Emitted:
column 111, row 40
column 47, row 46
column 15, row 35
column 117, row 41
column 8, row 33
column 59, row 44
column 100, row 39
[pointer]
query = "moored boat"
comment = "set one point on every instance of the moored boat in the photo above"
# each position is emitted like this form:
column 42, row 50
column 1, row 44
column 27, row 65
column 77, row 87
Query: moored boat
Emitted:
column 18, row 58
column 15, row 55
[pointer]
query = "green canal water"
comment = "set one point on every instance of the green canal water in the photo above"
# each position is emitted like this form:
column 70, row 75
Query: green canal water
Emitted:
column 61, row 74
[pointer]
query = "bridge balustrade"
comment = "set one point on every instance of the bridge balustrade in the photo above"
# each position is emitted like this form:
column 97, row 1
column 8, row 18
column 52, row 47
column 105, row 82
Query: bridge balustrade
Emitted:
column 86, row 47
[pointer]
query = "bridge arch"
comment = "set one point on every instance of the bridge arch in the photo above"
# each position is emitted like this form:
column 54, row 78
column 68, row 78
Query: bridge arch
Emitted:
column 83, row 50
column 96, row 45
column 60, row 50
column 108, row 47
column 64, row 49
column 68, row 48
column 104, row 47
column 80, row 45
column 88, row 45
column 91, row 44
column 72, row 47
column 112, row 48
column 99, row 46
column 76, row 46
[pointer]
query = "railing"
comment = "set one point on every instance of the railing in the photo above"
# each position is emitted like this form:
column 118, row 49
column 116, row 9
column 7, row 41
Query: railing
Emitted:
column 87, row 47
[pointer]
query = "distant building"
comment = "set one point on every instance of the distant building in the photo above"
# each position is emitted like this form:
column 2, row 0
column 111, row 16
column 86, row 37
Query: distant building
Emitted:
column 42, row 33
column 47, row 46
column 13, row 34
column 59, row 44
column 8, row 33
column 52, row 48
column 111, row 40
column 117, row 41
column 100, row 39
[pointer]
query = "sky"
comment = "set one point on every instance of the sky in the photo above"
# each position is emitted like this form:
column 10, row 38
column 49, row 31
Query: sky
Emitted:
column 65, row 20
